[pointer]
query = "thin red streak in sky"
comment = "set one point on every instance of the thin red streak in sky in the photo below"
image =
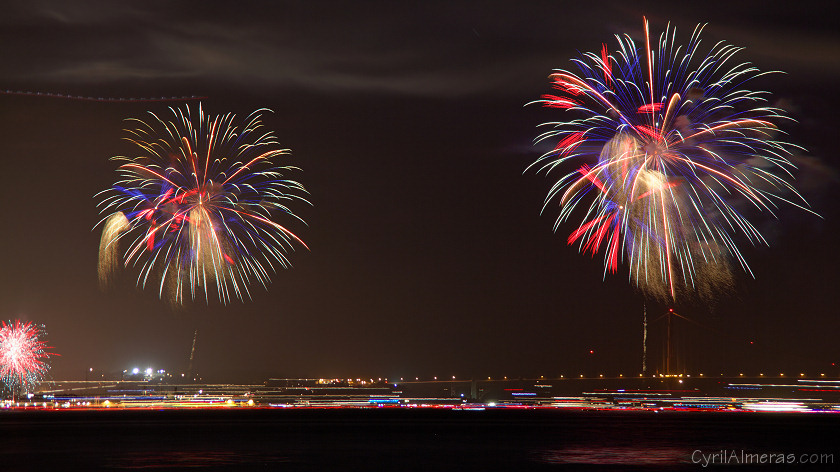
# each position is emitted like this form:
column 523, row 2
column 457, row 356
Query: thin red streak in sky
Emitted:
column 650, row 107
column 583, row 229
column 553, row 101
column 571, row 79
column 150, row 238
column 165, row 196
column 569, row 143
column 567, row 87
column 598, row 236
column 613, row 266
column 605, row 58
column 588, row 174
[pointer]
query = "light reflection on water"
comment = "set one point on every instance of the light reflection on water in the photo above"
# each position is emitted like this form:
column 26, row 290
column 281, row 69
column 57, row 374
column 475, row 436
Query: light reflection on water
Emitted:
column 315, row 440
column 191, row 459
column 609, row 455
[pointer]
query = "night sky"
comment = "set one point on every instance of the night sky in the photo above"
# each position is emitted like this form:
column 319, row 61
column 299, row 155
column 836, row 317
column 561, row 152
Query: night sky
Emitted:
column 429, row 255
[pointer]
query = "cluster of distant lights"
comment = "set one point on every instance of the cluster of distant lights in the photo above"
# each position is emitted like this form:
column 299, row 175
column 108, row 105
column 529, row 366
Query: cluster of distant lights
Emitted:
column 148, row 371
column 379, row 379
column 541, row 377
column 201, row 401
column 85, row 403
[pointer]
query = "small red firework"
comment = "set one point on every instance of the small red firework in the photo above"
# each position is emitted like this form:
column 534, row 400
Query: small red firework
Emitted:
column 23, row 355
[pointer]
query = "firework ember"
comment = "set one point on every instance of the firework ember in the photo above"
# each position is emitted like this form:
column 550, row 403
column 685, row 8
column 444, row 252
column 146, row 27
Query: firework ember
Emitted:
column 24, row 355
column 196, row 208
column 666, row 145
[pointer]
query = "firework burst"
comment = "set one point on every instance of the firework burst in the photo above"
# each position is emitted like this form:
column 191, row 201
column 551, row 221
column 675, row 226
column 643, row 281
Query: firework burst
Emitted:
column 196, row 208
column 666, row 144
column 23, row 355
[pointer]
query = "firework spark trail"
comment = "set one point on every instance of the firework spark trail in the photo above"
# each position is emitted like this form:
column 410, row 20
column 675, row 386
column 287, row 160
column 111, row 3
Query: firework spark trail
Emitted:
column 23, row 356
column 670, row 140
column 195, row 208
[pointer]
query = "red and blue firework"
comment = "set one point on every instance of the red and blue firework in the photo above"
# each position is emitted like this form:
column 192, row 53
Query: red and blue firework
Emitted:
column 24, row 356
column 666, row 145
column 198, row 206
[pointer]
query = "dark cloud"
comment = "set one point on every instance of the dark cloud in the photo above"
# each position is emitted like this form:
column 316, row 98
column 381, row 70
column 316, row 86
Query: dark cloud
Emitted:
column 434, row 48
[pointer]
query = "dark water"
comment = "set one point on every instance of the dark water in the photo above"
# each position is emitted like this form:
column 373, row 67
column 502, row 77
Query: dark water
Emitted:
column 403, row 439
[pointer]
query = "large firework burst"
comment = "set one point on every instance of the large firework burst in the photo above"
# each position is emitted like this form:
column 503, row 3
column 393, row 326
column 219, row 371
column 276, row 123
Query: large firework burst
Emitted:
column 23, row 355
column 197, row 206
column 666, row 143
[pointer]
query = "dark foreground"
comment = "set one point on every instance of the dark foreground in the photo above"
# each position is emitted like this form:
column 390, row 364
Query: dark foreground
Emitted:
column 412, row 439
